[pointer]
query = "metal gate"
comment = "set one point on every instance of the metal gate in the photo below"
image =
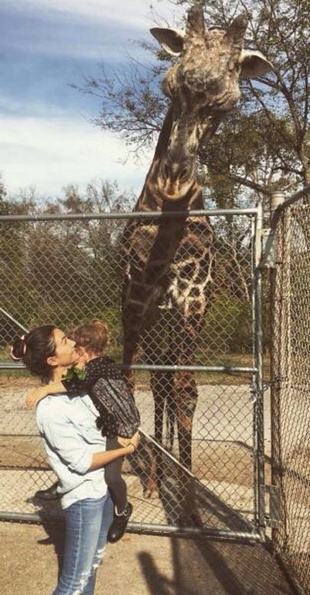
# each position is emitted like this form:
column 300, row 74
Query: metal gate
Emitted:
column 66, row 269
column 289, row 266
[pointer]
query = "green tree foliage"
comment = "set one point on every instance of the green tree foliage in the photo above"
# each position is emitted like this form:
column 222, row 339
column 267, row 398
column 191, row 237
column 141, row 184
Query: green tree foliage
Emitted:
column 58, row 269
column 264, row 146
column 13, row 241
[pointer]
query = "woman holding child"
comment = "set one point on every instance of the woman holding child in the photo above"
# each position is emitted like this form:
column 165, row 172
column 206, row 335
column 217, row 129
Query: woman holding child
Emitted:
column 76, row 451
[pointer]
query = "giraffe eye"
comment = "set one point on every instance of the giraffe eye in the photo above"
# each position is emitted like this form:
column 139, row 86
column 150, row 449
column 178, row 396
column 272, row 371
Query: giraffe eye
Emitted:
column 234, row 66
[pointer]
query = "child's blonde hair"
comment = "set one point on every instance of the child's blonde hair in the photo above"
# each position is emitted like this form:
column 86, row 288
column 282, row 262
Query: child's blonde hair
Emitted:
column 93, row 336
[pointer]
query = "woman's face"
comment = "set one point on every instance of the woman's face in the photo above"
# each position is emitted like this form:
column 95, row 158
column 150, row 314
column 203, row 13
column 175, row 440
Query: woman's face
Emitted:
column 65, row 351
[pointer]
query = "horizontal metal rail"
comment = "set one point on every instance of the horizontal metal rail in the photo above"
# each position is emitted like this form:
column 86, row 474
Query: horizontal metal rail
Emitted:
column 133, row 527
column 227, row 369
column 131, row 215
column 151, row 368
column 253, row 536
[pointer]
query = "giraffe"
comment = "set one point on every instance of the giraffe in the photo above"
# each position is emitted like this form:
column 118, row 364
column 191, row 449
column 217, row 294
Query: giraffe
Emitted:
column 169, row 260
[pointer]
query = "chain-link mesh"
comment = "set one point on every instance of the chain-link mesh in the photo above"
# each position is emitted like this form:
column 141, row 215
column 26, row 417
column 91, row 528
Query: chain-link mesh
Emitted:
column 67, row 271
column 291, row 385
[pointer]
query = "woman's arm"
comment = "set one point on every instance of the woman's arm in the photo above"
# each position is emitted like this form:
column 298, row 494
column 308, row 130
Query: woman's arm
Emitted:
column 102, row 458
column 73, row 383
column 39, row 393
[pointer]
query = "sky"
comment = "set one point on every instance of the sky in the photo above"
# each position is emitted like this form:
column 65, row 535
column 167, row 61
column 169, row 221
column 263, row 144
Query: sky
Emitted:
column 47, row 139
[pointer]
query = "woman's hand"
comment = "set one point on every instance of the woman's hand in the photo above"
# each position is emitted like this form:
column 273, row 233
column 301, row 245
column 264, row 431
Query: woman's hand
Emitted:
column 35, row 396
column 133, row 441
column 102, row 458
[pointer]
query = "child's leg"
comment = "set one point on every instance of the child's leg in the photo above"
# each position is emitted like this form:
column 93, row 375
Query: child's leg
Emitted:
column 118, row 490
column 115, row 482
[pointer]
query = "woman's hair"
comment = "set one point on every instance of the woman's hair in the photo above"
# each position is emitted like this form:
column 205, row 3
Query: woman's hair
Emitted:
column 93, row 336
column 34, row 348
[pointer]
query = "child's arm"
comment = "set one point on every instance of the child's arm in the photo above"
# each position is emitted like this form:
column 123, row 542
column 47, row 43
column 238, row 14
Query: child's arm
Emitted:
column 39, row 393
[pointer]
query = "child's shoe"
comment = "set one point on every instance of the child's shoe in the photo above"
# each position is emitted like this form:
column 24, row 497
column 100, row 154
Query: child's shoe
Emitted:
column 119, row 524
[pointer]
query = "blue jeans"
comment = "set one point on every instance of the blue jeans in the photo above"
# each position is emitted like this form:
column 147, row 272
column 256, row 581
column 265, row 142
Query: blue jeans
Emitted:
column 87, row 524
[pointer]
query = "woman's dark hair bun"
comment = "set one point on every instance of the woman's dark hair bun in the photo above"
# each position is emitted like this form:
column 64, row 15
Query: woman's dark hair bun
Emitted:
column 18, row 348
column 34, row 349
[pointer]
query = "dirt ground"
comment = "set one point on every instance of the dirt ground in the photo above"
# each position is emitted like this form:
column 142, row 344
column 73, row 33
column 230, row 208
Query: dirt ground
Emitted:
column 142, row 565
column 139, row 564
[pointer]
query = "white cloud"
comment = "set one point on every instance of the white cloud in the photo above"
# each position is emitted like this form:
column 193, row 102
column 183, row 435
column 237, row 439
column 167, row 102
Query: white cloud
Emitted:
column 49, row 155
column 45, row 143
column 77, row 29
column 129, row 14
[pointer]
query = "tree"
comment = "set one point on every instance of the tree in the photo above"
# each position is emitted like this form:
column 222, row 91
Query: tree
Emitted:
column 2, row 193
column 60, row 267
column 132, row 105
column 13, row 247
column 272, row 149
column 264, row 144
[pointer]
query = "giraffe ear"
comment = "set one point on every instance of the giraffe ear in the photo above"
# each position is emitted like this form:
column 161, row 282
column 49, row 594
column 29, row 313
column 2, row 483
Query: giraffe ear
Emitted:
column 254, row 64
column 170, row 39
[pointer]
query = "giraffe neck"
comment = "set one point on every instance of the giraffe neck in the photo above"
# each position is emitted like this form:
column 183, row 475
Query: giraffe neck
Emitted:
column 171, row 182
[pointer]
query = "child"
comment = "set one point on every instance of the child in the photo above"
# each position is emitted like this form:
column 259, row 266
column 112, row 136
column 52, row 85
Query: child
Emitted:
column 118, row 414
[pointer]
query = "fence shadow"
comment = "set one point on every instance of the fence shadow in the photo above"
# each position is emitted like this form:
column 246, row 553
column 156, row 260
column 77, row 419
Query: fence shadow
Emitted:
column 178, row 491
column 215, row 567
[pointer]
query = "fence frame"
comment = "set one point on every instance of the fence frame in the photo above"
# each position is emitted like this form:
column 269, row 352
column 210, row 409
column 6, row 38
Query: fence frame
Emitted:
column 279, row 254
column 257, row 531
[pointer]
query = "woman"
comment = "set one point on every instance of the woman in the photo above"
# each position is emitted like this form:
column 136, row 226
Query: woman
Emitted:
column 76, row 452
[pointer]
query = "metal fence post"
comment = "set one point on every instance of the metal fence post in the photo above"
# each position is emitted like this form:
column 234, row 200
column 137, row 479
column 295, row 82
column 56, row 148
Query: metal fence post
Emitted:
column 276, row 359
column 258, row 411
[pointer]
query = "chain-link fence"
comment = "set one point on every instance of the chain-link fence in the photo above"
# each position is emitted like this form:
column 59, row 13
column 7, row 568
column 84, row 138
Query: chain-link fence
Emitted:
column 290, row 291
column 69, row 269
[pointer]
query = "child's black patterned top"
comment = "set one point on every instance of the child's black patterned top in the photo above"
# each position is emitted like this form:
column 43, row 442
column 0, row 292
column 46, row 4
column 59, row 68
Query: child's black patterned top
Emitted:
column 106, row 386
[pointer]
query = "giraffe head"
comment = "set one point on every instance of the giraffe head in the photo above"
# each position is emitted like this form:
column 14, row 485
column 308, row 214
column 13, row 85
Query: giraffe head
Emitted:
column 203, row 85
column 206, row 75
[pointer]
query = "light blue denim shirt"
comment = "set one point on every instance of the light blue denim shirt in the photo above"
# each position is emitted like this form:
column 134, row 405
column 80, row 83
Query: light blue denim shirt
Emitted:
column 68, row 428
